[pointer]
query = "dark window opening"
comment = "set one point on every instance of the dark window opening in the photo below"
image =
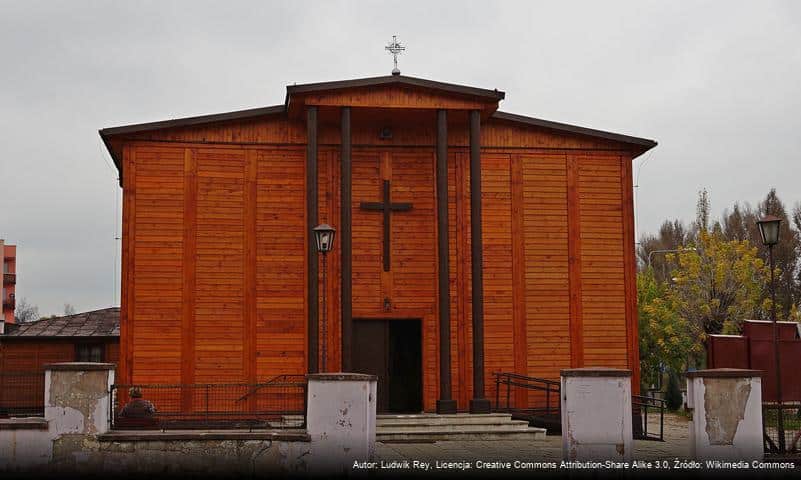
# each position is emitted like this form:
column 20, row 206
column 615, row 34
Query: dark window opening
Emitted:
column 88, row 352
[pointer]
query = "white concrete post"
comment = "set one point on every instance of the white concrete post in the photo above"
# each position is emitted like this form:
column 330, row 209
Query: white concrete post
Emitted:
column 77, row 404
column 77, row 398
column 341, row 421
column 596, row 414
column 727, row 414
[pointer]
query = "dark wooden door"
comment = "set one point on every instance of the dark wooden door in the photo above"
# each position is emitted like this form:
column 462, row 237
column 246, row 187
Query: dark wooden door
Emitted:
column 391, row 350
column 371, row 355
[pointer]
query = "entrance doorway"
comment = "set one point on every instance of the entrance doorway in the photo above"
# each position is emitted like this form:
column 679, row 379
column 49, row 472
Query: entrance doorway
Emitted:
column 391, row 350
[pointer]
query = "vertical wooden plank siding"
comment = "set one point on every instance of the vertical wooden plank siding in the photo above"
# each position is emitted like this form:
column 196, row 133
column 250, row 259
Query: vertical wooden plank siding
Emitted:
column 220, row 275
column 519, row 336
column 220, row 307
column 368, row 293
column 413, row 287
column 603, row 299
column 630, row 266
column 496, row 209
column 250, row 262
column 463, row 294
column 189, row 273
column 328, row 211
column 574, row 264
column 547, row 293
column 157, row 260
column 281, row 306
column 126, row 271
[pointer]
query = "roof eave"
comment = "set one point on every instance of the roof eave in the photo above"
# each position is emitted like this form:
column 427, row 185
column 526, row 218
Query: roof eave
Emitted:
column 495, row 95
column 106, row 133
column 639, row 145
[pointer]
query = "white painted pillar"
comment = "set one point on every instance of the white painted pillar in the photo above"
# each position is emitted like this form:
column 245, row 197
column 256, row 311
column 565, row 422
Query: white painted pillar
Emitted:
column 596, row 414
column 341, row 421
column 727, row 414
column 77, row 398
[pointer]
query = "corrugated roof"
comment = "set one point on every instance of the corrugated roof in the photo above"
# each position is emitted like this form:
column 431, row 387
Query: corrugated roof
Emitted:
column 97, row 323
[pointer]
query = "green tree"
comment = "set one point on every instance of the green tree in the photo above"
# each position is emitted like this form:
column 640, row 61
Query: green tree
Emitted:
column 667, row 339
column 718, row 283
column 673, row 398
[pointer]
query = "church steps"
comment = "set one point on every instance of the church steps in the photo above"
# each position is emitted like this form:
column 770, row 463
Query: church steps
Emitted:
column 431, row 428
column 445, row 419
column 500, row 433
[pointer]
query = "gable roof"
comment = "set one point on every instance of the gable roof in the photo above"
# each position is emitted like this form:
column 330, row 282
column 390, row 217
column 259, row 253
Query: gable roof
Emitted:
column 482, row 93
column 97, row 323
column 575, row 129
column 641, row 145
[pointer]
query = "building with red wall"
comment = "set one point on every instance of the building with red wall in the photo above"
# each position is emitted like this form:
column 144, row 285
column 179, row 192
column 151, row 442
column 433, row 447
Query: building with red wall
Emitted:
column 8, row 253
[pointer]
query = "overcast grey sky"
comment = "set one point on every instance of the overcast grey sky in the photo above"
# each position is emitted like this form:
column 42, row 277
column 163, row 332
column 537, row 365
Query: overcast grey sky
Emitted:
column 716, row 83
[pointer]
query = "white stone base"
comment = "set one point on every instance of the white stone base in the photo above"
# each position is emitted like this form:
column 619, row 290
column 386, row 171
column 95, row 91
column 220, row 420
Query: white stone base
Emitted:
column 596, row 414
column 727, row 414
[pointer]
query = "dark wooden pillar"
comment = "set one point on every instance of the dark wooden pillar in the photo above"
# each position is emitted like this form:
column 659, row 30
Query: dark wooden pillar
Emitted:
column 445, row 404
column 478, row 404
column 346, row 241
column 311, row 222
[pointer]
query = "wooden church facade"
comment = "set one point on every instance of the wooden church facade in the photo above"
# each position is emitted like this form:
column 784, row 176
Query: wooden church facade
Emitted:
column 469, row 241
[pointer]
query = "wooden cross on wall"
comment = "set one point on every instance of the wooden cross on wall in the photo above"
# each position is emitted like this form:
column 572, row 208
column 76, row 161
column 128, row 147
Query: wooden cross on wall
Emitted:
column 387, row 207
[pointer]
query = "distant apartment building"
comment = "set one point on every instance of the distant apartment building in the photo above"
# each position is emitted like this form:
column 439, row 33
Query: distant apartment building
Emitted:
column 8, row 254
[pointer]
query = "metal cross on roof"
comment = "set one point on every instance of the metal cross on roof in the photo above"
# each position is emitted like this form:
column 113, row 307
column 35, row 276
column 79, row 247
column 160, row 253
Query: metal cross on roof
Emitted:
column 395, row 48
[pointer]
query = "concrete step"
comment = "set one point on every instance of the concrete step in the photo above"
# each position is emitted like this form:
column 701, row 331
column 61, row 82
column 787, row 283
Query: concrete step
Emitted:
column 452, row 427
column 529, row 434
column 429, row 427
column 425, row 426
column 449, row 419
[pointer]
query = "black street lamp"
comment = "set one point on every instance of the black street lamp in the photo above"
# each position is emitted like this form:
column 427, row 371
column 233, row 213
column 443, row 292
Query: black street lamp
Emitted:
column 324, row 237
column 769, row 231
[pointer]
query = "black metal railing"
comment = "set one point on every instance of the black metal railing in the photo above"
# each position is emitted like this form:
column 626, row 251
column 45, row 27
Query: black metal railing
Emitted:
column 643, row 405
column 506, row 384
column 279, row 403
column 784, row 438
column 21, row 394
column 543, row 409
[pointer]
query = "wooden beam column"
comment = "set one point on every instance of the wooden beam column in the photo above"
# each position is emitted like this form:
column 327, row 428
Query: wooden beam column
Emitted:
column 311, row 249
column 445, row 404
column 574, row 263
column 478, row 404
column 188, row 300
column 345, row 229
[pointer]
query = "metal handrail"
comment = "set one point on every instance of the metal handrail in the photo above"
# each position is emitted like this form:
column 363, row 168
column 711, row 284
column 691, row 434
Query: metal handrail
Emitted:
column 530, row 383
column 276, row 380
column 647, row 403
column 644, row 403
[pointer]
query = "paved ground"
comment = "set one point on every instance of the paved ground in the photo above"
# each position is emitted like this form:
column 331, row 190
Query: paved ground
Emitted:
column 675, row 446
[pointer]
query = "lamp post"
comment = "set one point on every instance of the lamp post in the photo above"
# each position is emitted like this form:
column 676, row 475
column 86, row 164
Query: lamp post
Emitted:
column 769, row 231
column 324, row 236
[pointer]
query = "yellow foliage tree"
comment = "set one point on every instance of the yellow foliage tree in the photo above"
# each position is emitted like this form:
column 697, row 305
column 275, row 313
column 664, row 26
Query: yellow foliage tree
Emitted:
column 718, row 283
